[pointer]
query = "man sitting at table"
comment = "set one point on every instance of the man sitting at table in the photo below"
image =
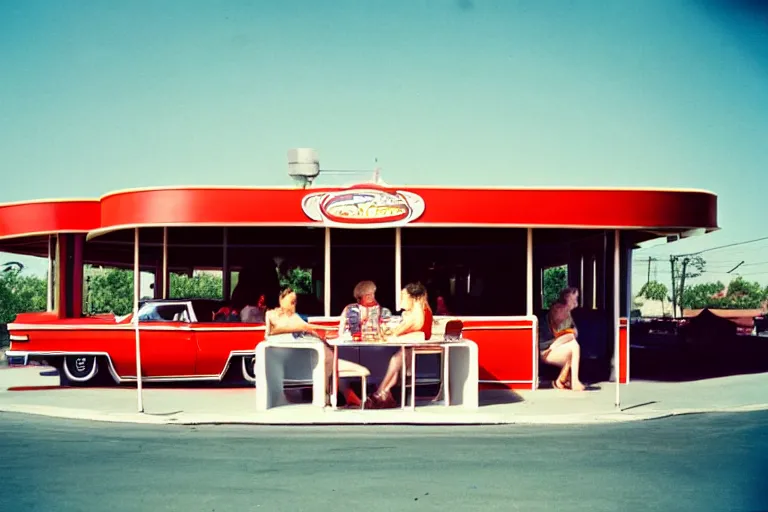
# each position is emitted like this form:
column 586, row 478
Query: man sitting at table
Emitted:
column 417, row 317
column 285, row 320
column 366, row 310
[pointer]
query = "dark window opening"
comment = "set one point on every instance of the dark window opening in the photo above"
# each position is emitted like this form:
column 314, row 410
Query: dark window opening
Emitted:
column 473, row 272
column 362, row 255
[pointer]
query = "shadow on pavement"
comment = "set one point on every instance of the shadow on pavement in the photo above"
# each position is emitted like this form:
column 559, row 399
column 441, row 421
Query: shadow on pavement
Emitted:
column 499, row 397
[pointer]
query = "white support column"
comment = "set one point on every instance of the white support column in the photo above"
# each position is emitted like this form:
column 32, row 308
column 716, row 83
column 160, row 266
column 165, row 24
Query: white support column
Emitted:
column 581, row 282
column 57, row 291
column 327, row 275
column 136, row 294
column 225, row 275
column 398, row 266
column 166, row 277
column 51, row 270
column 628, row 298
column 529, row 273
column 529, row 303
column 616, row 312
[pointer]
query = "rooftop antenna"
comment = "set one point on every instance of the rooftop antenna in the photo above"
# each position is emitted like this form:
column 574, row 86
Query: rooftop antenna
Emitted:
column 376, row 171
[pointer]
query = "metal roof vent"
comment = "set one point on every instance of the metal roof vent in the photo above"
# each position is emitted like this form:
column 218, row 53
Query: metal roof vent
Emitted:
column 303, row 166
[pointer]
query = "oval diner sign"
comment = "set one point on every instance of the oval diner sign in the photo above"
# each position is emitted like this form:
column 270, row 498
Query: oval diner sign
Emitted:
column 363, row 207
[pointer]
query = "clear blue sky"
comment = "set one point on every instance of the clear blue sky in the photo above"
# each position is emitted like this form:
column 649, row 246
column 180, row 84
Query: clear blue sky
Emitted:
column 101, row 95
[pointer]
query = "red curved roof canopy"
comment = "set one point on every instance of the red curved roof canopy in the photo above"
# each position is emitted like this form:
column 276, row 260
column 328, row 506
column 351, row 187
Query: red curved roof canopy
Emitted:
column 49, row 217
column 660, row 210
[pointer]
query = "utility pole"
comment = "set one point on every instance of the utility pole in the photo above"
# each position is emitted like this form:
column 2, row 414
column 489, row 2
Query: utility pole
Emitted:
column 649, row 270
column 672, row 262
column 682, row 283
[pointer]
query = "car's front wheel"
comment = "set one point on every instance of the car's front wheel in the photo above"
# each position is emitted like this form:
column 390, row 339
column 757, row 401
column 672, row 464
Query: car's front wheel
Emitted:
column 79, row 369
column 249, row 372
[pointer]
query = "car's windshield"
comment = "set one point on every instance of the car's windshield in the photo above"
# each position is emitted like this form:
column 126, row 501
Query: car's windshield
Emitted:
column 154, row 312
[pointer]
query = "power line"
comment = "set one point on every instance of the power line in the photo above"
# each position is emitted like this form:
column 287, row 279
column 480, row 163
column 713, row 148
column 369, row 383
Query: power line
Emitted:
column 724, row 246
column 719, row 247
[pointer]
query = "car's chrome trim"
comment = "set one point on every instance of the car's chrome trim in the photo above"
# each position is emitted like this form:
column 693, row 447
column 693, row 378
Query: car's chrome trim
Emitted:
column 128, row 327
column 132, row 378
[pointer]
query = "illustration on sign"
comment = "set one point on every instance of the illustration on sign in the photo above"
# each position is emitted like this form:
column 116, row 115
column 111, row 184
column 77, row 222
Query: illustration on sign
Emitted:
column 363, row 207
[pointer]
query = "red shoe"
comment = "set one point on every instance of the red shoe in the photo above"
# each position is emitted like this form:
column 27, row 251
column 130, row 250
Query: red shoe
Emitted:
column 352, row 399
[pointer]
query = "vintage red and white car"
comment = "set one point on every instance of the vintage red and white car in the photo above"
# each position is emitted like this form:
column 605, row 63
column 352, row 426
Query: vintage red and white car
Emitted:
column 179, row 342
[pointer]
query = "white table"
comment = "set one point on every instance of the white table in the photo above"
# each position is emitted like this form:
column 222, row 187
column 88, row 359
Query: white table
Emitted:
column 460, row 368
column 270, row 369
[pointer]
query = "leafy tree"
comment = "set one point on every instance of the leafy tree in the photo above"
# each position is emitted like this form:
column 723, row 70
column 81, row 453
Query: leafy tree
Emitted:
column 200, row 286
column 298, row 279
column 21, row 294
column 108, row 290
column 741, row 295
column 684, row 269
column 654, row 290
column 702, row 295
column 111, row 290
column 553, row 281
column 745, row 295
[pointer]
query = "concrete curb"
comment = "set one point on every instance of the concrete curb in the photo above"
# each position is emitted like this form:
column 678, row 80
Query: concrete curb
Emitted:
column 352, row 418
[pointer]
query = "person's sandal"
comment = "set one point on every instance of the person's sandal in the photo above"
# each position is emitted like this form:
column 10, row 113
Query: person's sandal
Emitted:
column 372, row 402
column 388, row 402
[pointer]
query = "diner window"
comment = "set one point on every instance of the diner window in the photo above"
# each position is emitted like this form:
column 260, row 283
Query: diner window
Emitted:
column 285, row 256
column 474, row 271
column 362, row 255
column 553, row 280
column 108, row 270
column 195, row 263
column 200, row 284
column 297, row 278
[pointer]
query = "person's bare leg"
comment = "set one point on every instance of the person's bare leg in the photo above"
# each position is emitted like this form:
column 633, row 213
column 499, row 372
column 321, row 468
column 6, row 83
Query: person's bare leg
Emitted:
column 576, row 383
column 562, row 379
column 564, row 376
column 565, row 354
column 328, row 362
column 344, row 386
column 393, row 372
column 562, row 340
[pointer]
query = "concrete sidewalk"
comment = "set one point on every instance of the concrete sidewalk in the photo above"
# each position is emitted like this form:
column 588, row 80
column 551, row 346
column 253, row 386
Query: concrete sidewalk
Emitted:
column 209, row 405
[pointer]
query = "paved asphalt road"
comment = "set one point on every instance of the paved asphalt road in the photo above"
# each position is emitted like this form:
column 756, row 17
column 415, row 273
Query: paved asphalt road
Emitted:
column 698, row 463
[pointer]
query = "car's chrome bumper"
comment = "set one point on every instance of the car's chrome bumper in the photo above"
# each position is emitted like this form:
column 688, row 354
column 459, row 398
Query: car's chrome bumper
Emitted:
column 17, row 357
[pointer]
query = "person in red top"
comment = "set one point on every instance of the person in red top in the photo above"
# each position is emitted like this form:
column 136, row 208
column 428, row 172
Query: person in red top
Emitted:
column 417, row 317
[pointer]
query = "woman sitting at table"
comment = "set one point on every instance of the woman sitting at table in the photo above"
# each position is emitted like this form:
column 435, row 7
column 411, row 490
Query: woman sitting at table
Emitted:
column 417, row 317
column 285, row 320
